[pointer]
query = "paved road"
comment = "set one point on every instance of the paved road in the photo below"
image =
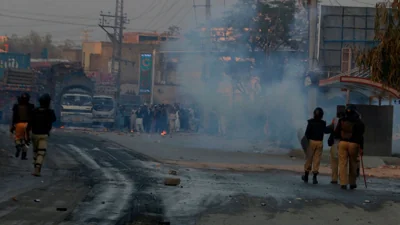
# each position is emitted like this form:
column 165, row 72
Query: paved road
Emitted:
column 102, row 182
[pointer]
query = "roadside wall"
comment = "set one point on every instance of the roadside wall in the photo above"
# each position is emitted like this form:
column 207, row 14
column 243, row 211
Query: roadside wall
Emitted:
column 378, row 122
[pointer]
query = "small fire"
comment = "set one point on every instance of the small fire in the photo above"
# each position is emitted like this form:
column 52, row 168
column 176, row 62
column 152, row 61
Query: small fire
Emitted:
column 62, row 127
column 163, row 133
column 131, row 131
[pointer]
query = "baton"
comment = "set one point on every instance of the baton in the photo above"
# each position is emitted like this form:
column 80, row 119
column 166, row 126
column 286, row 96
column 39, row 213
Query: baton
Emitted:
column 362, row 165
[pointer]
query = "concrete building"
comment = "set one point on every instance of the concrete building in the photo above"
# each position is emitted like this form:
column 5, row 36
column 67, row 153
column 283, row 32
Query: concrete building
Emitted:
column 339, row 30
column 96, row 58
column 73, row 55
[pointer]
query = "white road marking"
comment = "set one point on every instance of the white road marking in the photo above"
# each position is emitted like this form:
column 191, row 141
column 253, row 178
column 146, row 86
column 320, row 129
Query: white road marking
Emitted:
column 113, row 198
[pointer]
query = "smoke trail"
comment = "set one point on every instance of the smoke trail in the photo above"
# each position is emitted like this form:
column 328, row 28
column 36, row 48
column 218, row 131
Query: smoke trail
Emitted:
column 265, row 100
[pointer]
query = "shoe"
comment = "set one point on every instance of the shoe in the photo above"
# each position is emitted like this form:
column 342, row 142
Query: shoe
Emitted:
column 36, row 172
column 23, row 156
column 334, row 182
column 18, row 151
column 344, row 187
column 315, row 181
column 353, row 186
column 305, row 177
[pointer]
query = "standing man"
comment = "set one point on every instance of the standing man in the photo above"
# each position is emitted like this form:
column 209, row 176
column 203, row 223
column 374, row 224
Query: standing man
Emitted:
column 350, row 130
column 42, row 121
column 333, row 143
column 316, row 128
column 21, row 115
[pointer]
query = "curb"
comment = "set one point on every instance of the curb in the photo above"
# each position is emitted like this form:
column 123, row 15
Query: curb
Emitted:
column 373, row 172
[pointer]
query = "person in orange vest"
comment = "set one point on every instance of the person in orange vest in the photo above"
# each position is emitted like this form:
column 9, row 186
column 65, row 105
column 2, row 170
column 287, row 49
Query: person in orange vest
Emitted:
column 21, row 115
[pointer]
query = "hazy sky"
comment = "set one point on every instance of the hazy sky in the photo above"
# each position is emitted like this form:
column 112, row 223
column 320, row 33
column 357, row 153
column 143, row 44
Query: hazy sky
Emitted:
column 68, row 18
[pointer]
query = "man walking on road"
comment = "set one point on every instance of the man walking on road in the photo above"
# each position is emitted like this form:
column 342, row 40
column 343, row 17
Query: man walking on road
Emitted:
column 42, row 120
column 350, row 130
column 21, row 115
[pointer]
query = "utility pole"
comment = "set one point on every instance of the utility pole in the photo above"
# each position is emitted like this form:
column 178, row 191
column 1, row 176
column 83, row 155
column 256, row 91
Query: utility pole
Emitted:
column 312, row 31
column 115, row 22
column 86, row 35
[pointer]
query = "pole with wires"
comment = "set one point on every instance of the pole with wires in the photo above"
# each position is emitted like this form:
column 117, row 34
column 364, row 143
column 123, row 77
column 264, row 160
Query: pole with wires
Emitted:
column 115, row 22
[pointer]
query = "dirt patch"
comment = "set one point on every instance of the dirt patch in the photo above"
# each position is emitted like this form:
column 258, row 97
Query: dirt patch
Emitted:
column 382, row 172
column 312, row 214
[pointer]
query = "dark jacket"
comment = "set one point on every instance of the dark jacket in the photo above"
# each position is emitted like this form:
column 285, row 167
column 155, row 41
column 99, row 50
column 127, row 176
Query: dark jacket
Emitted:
column 21, row 113
column 42, row 121
column 351, row 129
column 316, row 128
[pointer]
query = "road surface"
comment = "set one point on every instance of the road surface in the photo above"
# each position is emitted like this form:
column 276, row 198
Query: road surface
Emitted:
column 98, row 181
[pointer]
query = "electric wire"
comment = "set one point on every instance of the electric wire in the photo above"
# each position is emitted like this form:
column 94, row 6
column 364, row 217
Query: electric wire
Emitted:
column 148, row 10
column 47, row 15
column 173, row 17
column 46, row 20
column 163, row 13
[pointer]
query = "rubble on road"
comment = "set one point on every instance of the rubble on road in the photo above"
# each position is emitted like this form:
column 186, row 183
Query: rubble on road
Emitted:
column 173, row 172
column 172, row 181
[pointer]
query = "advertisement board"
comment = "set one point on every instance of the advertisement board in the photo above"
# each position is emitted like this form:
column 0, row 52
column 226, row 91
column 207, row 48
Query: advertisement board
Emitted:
column 145, row 78
column 13, row 61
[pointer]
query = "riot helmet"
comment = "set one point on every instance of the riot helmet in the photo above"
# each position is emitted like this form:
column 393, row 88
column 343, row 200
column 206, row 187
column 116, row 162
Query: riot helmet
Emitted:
column 351, row 110
column 44, row 100
column 318, row 113
column 340, row 115
column 24, row 98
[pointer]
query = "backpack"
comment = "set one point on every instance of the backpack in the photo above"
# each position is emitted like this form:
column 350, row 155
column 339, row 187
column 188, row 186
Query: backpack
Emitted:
column 347, row 130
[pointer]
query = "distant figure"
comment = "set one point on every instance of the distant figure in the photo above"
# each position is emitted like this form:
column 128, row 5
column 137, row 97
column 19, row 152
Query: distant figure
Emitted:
column 177, row 120
column 139, row 120
column 350, row 130
column 41, row 124
column 133, row 120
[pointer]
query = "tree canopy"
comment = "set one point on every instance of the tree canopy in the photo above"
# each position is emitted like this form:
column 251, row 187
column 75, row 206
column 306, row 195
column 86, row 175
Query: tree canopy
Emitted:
column 383, row 60
column 34, row 44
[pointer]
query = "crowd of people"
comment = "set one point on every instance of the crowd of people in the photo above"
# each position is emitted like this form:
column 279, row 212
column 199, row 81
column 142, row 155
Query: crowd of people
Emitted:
column 163, row 118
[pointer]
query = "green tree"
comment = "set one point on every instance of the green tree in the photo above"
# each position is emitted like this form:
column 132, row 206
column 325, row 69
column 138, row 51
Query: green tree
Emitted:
column 34, row 44
column 383, row 60
column 262, row 26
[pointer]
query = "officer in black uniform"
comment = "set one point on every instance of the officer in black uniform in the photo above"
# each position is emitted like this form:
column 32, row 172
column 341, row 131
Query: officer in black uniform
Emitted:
column 42, row 120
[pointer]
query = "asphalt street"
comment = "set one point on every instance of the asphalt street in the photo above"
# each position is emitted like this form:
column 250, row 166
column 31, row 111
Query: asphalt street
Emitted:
column 90, row 180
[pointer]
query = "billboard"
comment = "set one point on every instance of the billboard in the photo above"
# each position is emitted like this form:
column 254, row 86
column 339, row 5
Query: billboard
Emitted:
column 13, row 61
column 145, row 77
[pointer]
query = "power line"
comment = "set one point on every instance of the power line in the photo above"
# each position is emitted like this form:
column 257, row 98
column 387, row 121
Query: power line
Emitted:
column 148, row 10
column 184, row 17
column 49, row 15
column 165, row 12
column 173, row 17
column 46, row 20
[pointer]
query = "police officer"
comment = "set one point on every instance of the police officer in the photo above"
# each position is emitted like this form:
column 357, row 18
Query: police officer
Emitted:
column 42, row 119
column 350, row 130
column 21, row 115
column 333, row 143
column 316, row 128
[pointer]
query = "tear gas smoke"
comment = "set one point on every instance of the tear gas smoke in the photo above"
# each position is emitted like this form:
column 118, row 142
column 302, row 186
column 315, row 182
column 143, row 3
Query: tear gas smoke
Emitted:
column 252, row 105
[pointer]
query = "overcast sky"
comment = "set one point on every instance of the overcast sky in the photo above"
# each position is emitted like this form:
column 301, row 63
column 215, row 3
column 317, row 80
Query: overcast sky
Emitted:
column 68, row 18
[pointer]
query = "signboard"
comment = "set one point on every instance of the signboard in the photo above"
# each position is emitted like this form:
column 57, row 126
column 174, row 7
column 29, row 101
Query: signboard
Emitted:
column 13, row 61
column 145, row 78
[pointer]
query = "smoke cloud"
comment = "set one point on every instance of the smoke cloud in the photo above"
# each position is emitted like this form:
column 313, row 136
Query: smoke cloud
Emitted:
column 254, row 103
